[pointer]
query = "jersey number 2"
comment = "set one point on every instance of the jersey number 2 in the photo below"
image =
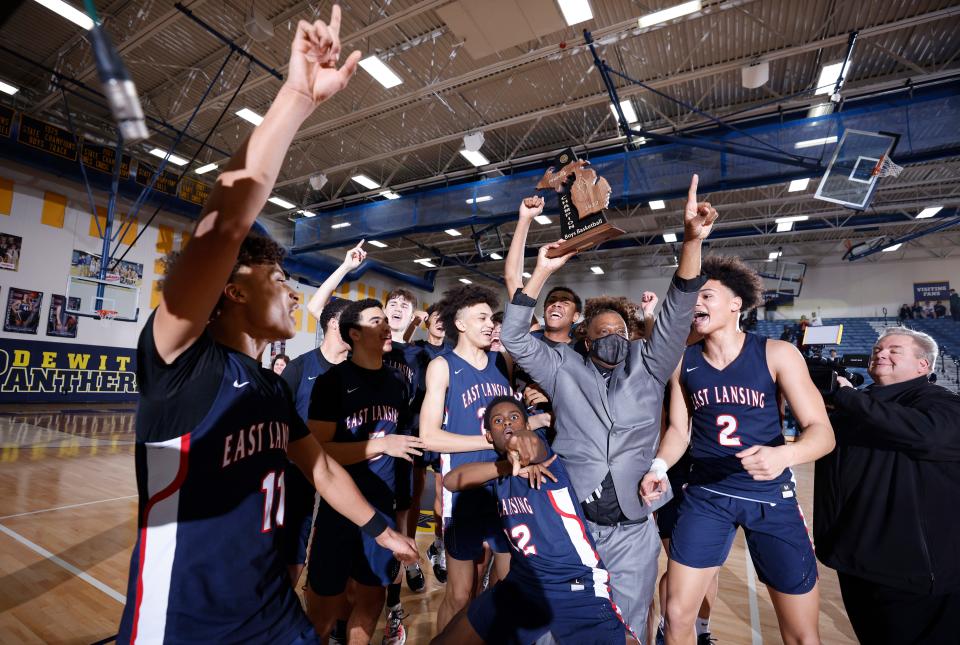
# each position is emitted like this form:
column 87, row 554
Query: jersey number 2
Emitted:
column 271, row 482
column 729, row 424
column 521, row 537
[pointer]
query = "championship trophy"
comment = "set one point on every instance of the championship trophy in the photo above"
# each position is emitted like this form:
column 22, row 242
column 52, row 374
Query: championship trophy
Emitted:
column 583, row 196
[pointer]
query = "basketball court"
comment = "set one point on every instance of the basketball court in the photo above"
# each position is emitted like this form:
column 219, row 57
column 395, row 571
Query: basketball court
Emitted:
column 824, row 132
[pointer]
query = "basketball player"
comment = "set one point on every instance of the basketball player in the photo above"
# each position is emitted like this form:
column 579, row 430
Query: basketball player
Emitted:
column 356, row 412
column 729, row 385
column 557, row 583
column 433, row 345
column 214, row 428
column 409, row 361
column 460, row 384
column 300, row 376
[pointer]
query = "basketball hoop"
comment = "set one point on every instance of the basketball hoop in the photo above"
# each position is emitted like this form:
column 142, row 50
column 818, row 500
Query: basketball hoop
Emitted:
column 886, row 168
column 107, row 314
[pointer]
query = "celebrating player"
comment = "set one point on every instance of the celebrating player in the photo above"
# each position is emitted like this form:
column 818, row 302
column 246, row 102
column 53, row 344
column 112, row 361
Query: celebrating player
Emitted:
column 730, row 385
column 557, row 582
column 213, row 428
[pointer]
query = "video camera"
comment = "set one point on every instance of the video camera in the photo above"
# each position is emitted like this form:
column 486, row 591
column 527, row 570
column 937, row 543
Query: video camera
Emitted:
column 824, row 370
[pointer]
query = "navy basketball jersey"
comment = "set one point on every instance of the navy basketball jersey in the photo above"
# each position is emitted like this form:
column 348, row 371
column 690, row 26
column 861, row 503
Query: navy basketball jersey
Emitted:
column 300, row 376
column 365, row 404
column 552, row 549
column 469, row 392
column 211, row 439
column 432, row 350
column 733, row 409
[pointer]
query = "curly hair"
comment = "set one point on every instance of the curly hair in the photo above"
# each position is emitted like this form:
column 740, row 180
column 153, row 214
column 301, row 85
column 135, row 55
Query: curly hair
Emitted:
column 350, row 317
column 734, row 274
column 459, row 298
column 629, row 311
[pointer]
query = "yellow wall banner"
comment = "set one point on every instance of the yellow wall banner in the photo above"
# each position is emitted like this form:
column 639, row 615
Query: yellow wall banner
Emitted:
column 39, row 372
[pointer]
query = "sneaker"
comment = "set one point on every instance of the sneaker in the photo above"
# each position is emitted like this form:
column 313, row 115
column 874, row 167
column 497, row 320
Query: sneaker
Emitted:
column 706, row 639
column 415, row 579
column 661, row 639
column 438, row 558
column 394, row 633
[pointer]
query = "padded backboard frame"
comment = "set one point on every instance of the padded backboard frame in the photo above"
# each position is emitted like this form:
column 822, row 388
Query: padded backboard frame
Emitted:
column 849, row 179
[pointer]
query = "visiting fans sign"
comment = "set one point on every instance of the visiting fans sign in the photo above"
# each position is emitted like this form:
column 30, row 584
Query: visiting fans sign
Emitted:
column 931, row 291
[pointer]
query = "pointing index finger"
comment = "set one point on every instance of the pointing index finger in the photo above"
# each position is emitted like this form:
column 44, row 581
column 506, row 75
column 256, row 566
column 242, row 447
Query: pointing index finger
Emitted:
column 692, row 193
column 335, row 20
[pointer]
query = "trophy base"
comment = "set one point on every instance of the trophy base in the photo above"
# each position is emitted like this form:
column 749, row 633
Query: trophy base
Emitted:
column 584, row 241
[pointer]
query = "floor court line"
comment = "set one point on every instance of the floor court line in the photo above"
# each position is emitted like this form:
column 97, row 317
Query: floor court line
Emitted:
column 756, row 634
column 36, row 548
column 61, row 508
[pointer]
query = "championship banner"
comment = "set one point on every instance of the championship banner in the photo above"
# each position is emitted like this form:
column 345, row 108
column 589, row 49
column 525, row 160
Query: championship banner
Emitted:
column 40, row 372
column 49, row 138
column 931, row 291
column 6, row 121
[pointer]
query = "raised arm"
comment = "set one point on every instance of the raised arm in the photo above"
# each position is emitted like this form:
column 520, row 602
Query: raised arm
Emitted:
column 321, row 296
column 816, row 434
column 513, row 268
column 673, row 442
column 194, row 285
column 431, row 415
column 666, row 342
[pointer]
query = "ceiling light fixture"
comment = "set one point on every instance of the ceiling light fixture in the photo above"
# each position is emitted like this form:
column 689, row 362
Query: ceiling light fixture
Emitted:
column 669, row 238
column 465, row 281
column 543, row 220
column 784, row 227
column 249, row 115
column 426, row 262
column 798, row 184
column 810, row 143
column 281, row 202
column 6, row 88
column 774, row 255
column 452, row 232
column 794, row 218
column 929, row 211
column 527, row 275
column 657, row 205
column 657, row 17
column 628, row 112
column 597, row 270
column 205, row 169
column 829, row 75
column 892, row 248
column 378, row 244
column 480, row 200
column 475, row 157
column 575, row 11
column 380, row 72
column 496, row 256
column 174, row 159
column 69, row 12
column 365, row 181
column 341, row 225
column 306, row 213
column 389, row 194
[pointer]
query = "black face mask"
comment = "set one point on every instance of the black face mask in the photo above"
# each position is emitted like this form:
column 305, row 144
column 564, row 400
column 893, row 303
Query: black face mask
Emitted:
column 611, row 349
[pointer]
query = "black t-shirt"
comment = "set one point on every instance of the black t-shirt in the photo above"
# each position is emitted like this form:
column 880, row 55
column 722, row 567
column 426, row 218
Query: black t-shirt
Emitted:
column 365, row 404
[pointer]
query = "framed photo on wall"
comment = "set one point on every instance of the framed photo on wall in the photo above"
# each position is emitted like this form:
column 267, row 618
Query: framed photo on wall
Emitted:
column 23, row 311
column 60, row 323
column 10, row 251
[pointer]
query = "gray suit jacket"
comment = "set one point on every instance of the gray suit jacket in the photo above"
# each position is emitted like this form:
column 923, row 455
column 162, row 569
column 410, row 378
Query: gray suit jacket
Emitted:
column 601, row 429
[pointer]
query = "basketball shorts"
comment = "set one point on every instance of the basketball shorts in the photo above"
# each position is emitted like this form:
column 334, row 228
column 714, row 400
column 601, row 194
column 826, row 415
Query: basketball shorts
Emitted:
column 403, row 484
column 299, row 500
column 473, row 521
column 340, row 551
column 667, row 514
column 776, row 535
column 519, row 612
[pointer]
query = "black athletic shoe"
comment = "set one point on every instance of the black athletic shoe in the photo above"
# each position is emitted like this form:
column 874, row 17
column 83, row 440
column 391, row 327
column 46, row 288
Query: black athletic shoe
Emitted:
column 415, row 579
column 438, row 558
column 706, row 639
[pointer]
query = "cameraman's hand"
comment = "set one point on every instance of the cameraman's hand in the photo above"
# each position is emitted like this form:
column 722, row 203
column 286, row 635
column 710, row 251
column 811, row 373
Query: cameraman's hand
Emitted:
column 764, row 463
column 842, row 382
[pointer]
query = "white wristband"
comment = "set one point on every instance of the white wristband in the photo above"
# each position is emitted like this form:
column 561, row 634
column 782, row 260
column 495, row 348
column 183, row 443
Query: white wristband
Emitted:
column 659, row 468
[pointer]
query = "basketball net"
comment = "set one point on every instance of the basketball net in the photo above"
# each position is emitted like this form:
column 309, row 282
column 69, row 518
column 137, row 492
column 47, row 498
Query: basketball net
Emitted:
column 886, row 168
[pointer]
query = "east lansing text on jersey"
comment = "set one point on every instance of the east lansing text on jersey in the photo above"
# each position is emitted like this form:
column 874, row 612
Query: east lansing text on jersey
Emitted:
column 515, row 506
column 255, row 439
column 372, row 413
column 490, row 390
column 727, row 394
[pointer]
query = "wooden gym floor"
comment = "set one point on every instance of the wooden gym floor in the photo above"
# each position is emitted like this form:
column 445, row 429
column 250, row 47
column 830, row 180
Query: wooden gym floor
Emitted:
column 67, row 525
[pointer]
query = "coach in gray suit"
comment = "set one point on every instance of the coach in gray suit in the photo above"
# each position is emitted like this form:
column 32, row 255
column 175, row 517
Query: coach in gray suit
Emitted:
column 607, row 409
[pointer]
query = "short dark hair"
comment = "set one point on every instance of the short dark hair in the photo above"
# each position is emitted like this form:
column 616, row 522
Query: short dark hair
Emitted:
column 497, row 318
column 618, row 305
column 432, row 308
column 332, row 310
column 497, row 401
column 734, row 274
column 406, row 294
column 459, row 298
column 280, row 357
column 576, row 299
column 350, row 317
